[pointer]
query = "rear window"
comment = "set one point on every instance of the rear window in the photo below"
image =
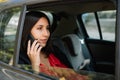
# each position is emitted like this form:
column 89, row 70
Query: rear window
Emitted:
column 106, row 19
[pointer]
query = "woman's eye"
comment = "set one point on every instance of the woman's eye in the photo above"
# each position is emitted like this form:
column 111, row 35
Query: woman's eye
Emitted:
column 39, row 28
column 48, row 27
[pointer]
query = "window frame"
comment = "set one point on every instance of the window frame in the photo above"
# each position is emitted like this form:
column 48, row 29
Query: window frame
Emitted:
column 98, row 27
column 19, row 35
column 117, row 59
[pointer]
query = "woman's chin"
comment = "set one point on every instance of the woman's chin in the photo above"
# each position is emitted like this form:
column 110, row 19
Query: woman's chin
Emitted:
column 43, row 45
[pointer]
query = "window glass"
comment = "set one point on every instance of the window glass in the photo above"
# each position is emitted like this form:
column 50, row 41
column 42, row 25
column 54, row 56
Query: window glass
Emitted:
column 107, row 24
column 8, row 28
column 91, row 25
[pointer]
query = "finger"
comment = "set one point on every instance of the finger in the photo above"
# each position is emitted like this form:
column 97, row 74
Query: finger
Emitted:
column 39, row 49
column 28, row 47
column 33, row 45
column 36, row 47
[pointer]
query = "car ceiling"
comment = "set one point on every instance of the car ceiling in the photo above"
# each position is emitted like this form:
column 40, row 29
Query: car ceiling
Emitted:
column 75, row 7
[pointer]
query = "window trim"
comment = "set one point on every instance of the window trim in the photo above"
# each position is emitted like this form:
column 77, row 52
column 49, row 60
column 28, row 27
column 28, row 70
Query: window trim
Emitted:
column 98, row 25
column 117, row 59
column 19, row 35
column 81, row 26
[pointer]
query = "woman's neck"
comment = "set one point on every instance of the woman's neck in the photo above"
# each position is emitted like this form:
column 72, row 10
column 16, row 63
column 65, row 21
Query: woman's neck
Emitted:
column 42, row 54
column 44, row 59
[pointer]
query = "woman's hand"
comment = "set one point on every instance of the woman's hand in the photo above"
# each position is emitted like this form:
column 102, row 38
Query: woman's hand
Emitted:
column 33, row 52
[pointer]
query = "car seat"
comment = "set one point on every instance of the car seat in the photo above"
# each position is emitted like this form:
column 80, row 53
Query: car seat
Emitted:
column 59, row 51
column 77, row 52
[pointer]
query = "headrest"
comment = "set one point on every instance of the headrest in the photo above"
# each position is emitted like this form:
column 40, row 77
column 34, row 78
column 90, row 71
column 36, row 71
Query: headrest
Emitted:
column 73, row 44
column 53, row 20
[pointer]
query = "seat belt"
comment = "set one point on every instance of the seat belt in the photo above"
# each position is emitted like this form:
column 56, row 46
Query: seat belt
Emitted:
column 87, row 63
column 85, row 51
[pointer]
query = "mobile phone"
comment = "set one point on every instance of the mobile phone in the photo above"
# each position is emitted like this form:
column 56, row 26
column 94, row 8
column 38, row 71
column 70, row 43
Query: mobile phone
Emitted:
column 30, row 37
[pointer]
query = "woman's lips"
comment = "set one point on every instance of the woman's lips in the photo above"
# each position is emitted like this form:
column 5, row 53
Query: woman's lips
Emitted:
column 42, row 41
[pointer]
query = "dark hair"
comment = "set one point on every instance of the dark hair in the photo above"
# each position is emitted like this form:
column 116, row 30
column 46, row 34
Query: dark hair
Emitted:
column 31, row 18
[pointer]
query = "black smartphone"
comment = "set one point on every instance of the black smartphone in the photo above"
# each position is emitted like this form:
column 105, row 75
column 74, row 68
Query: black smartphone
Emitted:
column 30, row 37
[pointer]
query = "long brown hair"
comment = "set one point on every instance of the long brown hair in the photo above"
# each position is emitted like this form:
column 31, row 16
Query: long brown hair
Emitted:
column 31, row 18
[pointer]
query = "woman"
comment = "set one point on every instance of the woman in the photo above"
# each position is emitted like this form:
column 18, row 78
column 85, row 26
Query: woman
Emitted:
column 38, row 52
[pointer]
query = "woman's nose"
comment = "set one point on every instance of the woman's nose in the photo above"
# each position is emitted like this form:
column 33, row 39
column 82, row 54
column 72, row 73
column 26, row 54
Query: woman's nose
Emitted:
column 46, row 32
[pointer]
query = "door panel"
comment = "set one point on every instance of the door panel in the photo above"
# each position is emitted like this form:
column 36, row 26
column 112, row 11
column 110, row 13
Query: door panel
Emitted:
column 103, row 53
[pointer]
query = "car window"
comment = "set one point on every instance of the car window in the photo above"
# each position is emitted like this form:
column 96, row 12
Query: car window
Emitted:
column 106, row 21
column 8, row 28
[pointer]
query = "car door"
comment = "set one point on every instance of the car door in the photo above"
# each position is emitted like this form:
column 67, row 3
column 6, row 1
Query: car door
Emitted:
column 99, row 33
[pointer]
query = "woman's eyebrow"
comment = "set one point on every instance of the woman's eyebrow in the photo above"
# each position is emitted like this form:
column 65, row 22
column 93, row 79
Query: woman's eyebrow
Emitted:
column 40, row 25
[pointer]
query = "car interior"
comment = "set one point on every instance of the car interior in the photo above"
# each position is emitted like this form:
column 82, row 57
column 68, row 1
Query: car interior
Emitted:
column 83, row 34
column 70, row 38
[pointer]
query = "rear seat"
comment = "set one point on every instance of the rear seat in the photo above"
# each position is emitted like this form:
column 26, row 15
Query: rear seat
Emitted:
column 73, row 52
column 77, row 52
